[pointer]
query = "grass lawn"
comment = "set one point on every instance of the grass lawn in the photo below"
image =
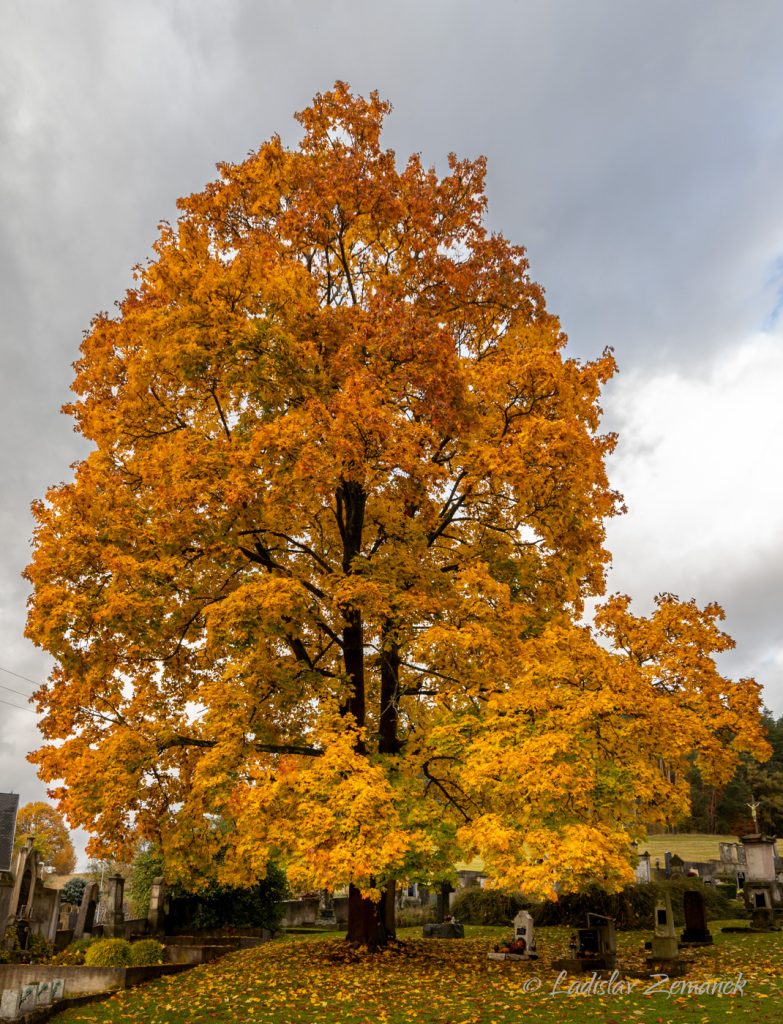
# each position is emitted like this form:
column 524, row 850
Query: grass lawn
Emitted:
column 304, row 979
column 692, row 846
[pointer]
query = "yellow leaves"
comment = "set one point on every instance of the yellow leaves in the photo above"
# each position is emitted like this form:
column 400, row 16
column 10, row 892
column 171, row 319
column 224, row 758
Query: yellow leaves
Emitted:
column 338, row 817
column 260, row 600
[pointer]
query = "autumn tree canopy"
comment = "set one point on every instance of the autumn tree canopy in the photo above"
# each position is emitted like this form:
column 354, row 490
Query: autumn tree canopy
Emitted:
column 50, row 835
column 316, row 592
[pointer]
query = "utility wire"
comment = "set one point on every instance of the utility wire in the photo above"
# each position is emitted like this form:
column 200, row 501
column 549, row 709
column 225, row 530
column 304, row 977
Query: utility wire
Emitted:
column 27, row 679
column 11, row 690
column 87, row 711
column 17, row 708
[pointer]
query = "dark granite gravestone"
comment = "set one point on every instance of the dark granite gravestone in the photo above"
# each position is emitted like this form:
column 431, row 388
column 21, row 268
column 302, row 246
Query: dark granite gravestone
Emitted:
column 594, row 949
column 696, row 931
column 9, row 804
column 447, row 930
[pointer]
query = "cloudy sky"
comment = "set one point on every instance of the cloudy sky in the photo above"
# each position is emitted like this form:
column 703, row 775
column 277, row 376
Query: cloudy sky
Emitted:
column 635, row 148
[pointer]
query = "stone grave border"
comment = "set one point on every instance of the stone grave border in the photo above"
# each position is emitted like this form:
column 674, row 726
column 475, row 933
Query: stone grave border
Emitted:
column 82, row 984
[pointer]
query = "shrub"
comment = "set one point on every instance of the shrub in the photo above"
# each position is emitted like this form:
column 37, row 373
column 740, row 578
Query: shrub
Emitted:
column 220, row 906
column 486, row 906
column 727, row 889
column 413, row 917
column 73, row 955
column 633, row 906
column 108, row 953
column 146, row 952
column 36, row 951
column 10, row 950
column 39, row 949
column 73, row 891
column 147, row 866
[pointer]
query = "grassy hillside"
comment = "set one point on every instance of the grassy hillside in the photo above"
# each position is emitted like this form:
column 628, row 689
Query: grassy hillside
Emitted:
column 693, row 846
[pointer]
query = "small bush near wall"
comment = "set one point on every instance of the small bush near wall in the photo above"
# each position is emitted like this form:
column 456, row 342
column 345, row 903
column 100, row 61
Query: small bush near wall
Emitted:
column 37, row 950
column 146, row 952
column 74, row 954
column 109, row 953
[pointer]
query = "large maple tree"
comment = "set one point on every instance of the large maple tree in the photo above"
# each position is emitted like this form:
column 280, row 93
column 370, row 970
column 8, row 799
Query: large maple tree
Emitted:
column 315, row 593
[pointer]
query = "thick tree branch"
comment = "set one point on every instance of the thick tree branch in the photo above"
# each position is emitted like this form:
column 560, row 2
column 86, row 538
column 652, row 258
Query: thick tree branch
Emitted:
column 264, row 748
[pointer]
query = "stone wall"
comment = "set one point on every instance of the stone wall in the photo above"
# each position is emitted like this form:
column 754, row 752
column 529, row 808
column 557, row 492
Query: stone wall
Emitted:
column 304, row 913
column 82, row 981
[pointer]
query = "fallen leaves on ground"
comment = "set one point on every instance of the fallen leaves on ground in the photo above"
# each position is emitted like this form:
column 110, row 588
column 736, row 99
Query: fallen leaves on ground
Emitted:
column 324, row 981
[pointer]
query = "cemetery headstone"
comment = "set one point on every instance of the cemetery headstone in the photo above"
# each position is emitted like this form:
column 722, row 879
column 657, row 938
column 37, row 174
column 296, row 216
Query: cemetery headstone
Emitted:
column 696, row 932
column 86, row 918
column 664, row 943
column 9, row 1003
column 326, row 916
column 594, row 948
column 643, row 873
column 58, row 989
column 28, row 999
column 6, row 895
column 523, row 929
column 44, row 994
column 448, row 929
column 523, row 945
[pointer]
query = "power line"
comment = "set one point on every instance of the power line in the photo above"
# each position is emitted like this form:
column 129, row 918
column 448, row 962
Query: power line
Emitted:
column 17, row 708
column 11, row 690
column 27, row 679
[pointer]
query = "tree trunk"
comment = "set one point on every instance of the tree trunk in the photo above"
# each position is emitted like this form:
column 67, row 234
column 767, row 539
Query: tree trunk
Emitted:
column 443, row 901
column 371, row 924
column 388, row 740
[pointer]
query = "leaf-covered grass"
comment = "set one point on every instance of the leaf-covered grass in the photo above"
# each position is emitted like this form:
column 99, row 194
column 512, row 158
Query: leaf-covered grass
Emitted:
column 320, row 979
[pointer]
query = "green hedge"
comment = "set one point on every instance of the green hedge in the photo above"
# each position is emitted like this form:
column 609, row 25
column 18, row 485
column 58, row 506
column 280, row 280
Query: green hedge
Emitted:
column 633, row 906
column 146, row 952
column 74, row 954
column 109, row 953
column 486, row 906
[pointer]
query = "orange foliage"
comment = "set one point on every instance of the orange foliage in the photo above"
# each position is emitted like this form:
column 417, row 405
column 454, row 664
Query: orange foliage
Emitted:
column 50, row 835
column 315, row 592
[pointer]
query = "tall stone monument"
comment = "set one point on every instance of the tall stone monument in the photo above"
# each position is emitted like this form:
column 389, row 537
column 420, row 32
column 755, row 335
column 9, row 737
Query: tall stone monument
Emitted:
column 9, row 805
column 156, row 917
column 763, row 893
column 114, row 925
